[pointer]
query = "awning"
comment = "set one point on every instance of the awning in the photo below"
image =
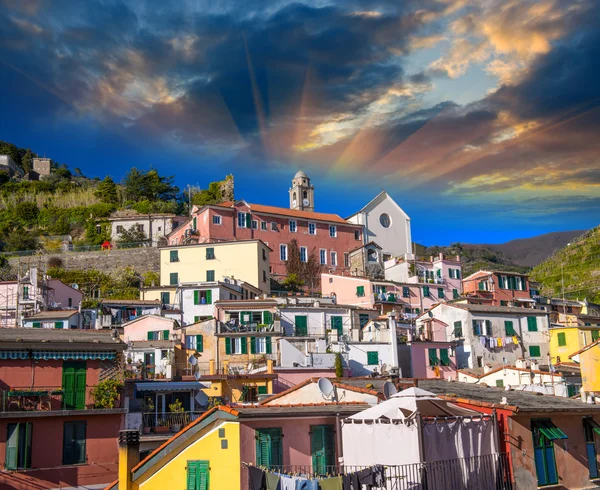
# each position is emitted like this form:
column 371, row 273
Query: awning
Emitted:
column 549, row 430
column 592, row 423
column 77, row 355
column 14, row 354
column 171, row 386
column 524, row 300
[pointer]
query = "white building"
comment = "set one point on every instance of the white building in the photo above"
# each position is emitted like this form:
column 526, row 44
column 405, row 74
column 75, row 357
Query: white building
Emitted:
column 154, row 226
column 63, row 319
column 385, row 224
column 487, row 334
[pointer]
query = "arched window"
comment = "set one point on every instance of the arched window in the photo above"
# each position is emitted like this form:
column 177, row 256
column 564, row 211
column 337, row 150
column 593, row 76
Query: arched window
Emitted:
column 371, row 255
column 304, row 194
column 294, row 198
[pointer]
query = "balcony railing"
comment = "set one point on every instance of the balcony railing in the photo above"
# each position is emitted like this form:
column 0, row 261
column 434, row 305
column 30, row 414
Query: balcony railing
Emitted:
column 235, row 327
column 43, row 399
column 256, row 366
column 163, row 422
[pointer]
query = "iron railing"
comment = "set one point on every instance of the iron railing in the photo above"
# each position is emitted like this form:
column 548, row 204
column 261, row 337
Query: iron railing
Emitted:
column 488, row 472
column 42, row 399
column 168, row 421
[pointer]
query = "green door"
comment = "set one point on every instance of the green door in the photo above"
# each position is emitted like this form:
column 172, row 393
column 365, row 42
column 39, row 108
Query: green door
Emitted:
column 269, row 447
column 149, row 361
column 301, row 325
column 73, row 385
column 337, row 323
column 322, row 445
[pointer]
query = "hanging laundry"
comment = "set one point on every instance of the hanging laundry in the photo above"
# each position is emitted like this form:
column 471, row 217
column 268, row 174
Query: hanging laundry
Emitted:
column 287, row 482
column 515, row 340
column 334, row 483
column 499, row 342
column 372, row 476
column 257, row 478
column 273, row 482
column 351, row 482
column 303, row 484
column 483, row 341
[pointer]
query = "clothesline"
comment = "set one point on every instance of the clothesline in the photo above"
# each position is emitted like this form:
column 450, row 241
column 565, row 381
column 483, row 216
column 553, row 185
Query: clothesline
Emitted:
column 493, row 342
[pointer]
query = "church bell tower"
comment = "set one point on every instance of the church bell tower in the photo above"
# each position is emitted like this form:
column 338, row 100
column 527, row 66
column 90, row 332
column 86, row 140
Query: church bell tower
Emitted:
column 302, row 193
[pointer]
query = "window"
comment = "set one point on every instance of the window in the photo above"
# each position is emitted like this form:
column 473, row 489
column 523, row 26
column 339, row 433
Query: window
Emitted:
column 363, row 319
column 264, row 276
column 509, row 329
column 371, row 255
column 332, row 231
column 385, row 220
column 263, row 226
column 312, row 228
column 360, row 291
column 534, row 351
column 488, row 327
column 258, row 345
column 590, row 426
column 458, row 329
column 217, row 220
column 440, row 292
column 544, row 434
column 210, row 253
column 405, row 292
column 174, row 256
column 444, row 357
column 562, row 339
column 433, row 359
column 357, row 234
column 478, row 326
column 74, row 442
column 197, row 475
column 269, row 447
column 283, row 252
column 139, row 228
column 203, row 297
column 58, row 324
column 301, row 325
column 119, row 229
column 337, row 323
column 165, row 298
column 426, row 291
column 273, row 226
column 346, row 259
column 70, row 303
column 210, row 276
column 293, row 226
column 236, row 345
column 499, row 383
column 482, row 286
column 323, row 256
column 25, row 292
column 264, row 254
column 372, row 358
column 503, row 303
column 18, row 446
column 303, row 254
column 455, row 294
column 173, row 278
column 532, row 324
column 322, row 448
column 194, row 342
column 244, row 220
column 334, row 258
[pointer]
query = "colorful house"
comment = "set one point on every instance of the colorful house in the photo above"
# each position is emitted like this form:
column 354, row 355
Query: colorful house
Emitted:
column 324, row 234
column 588, row 359
column 54, row 431
column 565, row 340
column 498, row 288
column 244, row 259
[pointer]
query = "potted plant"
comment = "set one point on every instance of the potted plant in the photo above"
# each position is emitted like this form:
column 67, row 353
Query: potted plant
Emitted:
column 162, row 427
column 177, row 408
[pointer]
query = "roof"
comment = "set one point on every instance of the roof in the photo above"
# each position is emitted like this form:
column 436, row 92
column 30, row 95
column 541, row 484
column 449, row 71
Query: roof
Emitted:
column 480, row 273
column 52, row 315
column 299, row 410
column 131, row 302
column 246, row 303
column 215, row 244
column 587, row 347
column 342, row 383
column 370, row 244
column 497, row 309
column 308, row 215
column 376, row 200
column 171, row 386
column 491, row 397
column 137, row 216
column 65, row 339
column 300, row 174
column 147, row 344
column 479, row 372
column 145, row 317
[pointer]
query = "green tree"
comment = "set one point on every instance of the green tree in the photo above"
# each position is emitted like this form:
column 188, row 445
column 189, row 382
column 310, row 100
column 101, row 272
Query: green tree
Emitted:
column 149, row 185
column 212, row 195
column 132, row 235
column 27, row 211
column 107, row 191
column 301, row 273
column 27, row 161
column 20, row 239
column 339, row 367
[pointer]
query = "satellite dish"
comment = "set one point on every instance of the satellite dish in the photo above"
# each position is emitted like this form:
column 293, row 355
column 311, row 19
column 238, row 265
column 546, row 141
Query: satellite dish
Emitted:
column 389, row 389
column 197, row 374
column 192, row 360
column 305, row 202
column 325, row 387
column 75, row 286
column 430, row 314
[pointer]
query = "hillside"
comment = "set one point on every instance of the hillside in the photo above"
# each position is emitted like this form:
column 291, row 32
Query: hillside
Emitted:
column 529, row 252
column 580, row 262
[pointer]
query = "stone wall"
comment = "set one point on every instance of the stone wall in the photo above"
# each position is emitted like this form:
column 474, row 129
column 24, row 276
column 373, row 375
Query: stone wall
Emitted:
column 142, row 259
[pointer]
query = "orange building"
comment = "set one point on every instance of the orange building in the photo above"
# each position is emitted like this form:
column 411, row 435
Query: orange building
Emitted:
column 498, row 288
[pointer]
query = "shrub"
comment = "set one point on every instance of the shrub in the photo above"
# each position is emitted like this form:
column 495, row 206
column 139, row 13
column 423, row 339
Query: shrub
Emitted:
column 339, row 368
column 27, row 211
column 106, row 393
column 55, row 262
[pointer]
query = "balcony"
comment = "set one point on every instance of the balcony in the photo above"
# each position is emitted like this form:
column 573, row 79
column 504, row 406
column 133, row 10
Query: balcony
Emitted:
column 167, row 422
column 44, row 400
column 258, row 366
column 234, row 327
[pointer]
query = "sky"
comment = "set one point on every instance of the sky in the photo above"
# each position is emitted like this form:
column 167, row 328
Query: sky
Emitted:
column 480, row 118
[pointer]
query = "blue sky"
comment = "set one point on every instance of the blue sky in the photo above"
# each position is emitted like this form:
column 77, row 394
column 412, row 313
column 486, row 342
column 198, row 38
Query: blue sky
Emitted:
column 479, row 118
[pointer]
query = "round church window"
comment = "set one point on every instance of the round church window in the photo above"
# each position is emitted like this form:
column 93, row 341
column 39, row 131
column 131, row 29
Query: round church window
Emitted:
column 385, row 220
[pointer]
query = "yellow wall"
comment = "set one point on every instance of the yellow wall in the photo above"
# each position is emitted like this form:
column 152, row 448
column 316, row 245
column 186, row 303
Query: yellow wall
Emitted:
column 154, row 294
column 224, row 464
column 573, row 338
column 589, row 361
column 242, row 260
column 232, row 388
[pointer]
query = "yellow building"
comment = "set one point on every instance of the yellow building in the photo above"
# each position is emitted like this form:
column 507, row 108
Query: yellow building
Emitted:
column 247, row 260
column 566, row 340
column 588, row 359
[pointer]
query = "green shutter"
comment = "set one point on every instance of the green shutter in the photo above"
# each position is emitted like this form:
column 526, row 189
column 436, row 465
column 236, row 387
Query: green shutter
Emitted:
column 363, row 319
column 248, row 220
column 12, row 447
column 192, row 475
column 426, row 291
column 595, row 335
column 243, row 316
column 209, row 297
column 433, row 360
column 262, row 390
column 444, row 357
column 301, row 325
column 74, row 439
column 439, row 272
column 269, row 444
column 165, row 298
column 455, row 294
column 150, row 335
column 509, row 329
column 337, row 323
column 534, row 351
column 267, row 317
column 372, row 358
column 68, row 386
column 440, row 292
column 199, row 343
column 263, row 448
column 360, row 291
column 458, row 329
column 80, row 380
column 562, row 339
column 227, row 345
column 196, row 319
column 322, row 448
column 173, row 255
column 210, row 253
column 252, row 345
column 532, row 324
column 58, row 324
column 244, row 345
column 268, row 345
column 165, row 335
column 173, row 278
column 196, row 297
column 210, row 276
column 476, row 328
column 37, row 325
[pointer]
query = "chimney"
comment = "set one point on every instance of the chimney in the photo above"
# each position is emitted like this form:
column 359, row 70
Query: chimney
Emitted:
column 441, row 256
column 487, row 368
column 458, row 258
column 129, row 456
column 535, row 366
column 521, row 364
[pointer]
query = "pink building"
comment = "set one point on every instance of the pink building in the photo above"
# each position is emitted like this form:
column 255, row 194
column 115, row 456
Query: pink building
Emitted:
column 328, row 236
column 63, row 296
